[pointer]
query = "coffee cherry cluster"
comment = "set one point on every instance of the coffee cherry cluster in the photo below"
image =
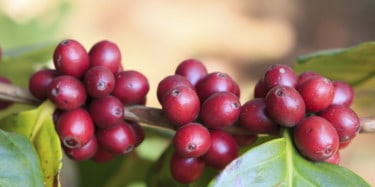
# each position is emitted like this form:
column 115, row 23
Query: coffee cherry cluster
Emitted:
column 201, row 105
column 316, row 108
column 90, row 90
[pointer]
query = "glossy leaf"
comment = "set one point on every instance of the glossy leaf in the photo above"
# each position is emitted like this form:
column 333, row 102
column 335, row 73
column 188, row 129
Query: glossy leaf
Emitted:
column 277, row 163
column 354, row 65
column 19, row 163
column 37, row 125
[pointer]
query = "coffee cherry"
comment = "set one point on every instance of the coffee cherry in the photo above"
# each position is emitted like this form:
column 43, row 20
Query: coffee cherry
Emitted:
column 186, row 169
column 171, row 82
column 280, row 75
column 254, row 117
column 192, row 140
column 102, row 155
column 285, row 106
column 39, row 81
column 5, row 104
column 83, row 153
column 334, row 159
column 260, row 89
column 119, row 139
column 131, row 87
column 212, row 83
column 220, row 110
column 138, row 132
column 181, row 105
column 66, row 92
column 71, row 58
column 245, row 140
column 342, row 145
column 106, row 111
column 75, row 128
column 192, row 69
column 344, row 94
column 236, row 89
column 306, row 76
column 222, row 151
column 345, row 121
column 316, row 138
column 317, row 92
column 105, row 53
column 99, row 81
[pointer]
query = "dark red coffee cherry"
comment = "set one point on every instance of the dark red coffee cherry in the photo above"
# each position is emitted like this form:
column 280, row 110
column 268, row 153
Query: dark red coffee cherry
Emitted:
column 102, row 155
column 236, row 89
column 75, row 128
column 106, row 111
column 83, row 153
column 66, row 92
column 186, row 169
column 171, row 82
column 99, row 81
column 105, row 53
column 193, row 69
column 260, row 89
column 138, row 131
column 344, row 94
column 192, row 140
column 254, row 117
column 220, row 110
column 119, row 139
column 285, row 106
column 334, row 159
column 39, row 81
column 5, row 104
column 306, row 76
column 223, row 149
column 131, row 87
column 180, row 105
column 245, row 140
column 317, row 92
column 280, row 75
column 212, row 83
column 71, row 58
column 344, row 119
column 316, row 138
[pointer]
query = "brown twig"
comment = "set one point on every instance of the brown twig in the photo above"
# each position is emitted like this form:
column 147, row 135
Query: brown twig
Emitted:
column 148, row 116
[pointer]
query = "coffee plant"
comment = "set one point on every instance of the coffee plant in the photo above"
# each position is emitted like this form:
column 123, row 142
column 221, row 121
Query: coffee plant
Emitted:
column 87, row 107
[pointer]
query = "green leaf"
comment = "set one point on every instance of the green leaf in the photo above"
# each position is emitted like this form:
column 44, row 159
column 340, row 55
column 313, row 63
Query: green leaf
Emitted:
column 37, row 125
column 354, row 65
column 19, row 162
column 277, row 163
column 159, row 175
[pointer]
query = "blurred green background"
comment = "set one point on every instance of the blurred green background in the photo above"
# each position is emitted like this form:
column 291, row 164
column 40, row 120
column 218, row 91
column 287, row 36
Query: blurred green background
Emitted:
column 239, row 37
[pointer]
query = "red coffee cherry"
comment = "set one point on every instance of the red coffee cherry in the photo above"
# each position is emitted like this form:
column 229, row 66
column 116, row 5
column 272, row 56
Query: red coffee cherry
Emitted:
column 212, row 83
column 5, row 104
column 138, row 132
column 254, row 117
column 71, row 58
column 192, row 140
column 105, row 53
column 119, row 139
column 316, row 138
column 181, row 105
column 186, row 169
column 317, row 92
column 280, row 75
column 260, row 89
column 285, row 106
column 344, row 94
column 171, row 82
column 334, row 159
column 245, row 140
column 131, row 87
column 83, row 153
column 39, row 81
column 223, row 150
column 75, row 128
column 99, row 81
column 220, row 110
column 66, row 92
column 106, row 111
column 102, row 155
column 344, row 119
column 193, row 69
column 306, row 76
